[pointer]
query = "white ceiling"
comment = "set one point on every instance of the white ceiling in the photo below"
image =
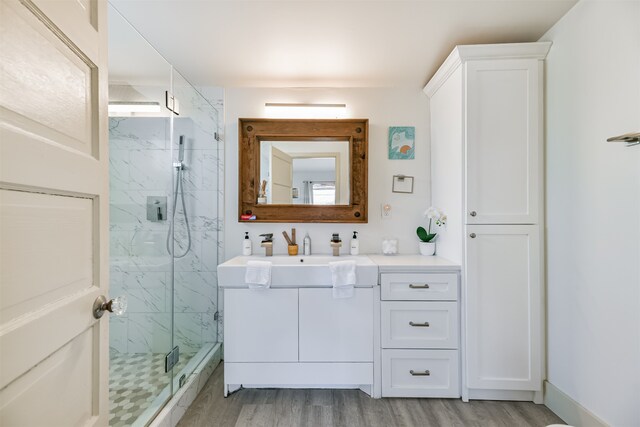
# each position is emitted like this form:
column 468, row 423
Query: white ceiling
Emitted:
column 353, row 43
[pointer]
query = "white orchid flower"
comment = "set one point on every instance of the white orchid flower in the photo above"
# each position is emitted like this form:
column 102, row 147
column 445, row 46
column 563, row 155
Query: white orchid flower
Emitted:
column 432, row 213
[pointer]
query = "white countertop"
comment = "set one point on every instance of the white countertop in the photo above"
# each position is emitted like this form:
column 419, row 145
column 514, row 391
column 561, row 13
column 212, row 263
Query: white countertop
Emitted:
column 393, row 263
column 313, row 271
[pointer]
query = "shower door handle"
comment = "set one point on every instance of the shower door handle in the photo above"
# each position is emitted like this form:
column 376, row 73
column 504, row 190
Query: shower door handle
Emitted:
column 116, row 306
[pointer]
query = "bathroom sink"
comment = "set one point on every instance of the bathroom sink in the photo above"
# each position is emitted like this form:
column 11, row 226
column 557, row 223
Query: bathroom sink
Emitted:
column 297, row 271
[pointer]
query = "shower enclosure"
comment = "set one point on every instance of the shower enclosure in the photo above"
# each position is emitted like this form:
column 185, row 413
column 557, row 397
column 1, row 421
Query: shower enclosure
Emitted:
column 165, row 226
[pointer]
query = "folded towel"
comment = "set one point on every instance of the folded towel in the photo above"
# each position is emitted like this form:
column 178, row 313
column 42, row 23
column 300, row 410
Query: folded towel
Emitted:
column 343, row 278
column 258, row 274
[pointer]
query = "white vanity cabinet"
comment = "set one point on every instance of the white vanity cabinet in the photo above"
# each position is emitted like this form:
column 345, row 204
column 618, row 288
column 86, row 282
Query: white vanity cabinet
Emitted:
column 299, row 337
column 486, row 104
column 419, row 328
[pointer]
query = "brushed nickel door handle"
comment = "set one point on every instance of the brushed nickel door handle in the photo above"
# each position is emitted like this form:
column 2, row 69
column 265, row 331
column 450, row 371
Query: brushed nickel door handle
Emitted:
column 424, row 324
column 425, row 373
column 425, row 286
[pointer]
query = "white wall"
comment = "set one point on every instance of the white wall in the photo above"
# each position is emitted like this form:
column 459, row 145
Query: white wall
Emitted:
column 593, row 209
column 383, row 108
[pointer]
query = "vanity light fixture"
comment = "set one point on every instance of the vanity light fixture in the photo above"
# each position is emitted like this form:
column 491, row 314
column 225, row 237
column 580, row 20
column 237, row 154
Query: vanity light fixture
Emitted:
column 134, row 107
column 287, row 104
column 294, row 110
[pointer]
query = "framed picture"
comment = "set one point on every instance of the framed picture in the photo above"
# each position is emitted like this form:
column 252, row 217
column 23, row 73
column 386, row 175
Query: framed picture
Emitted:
column 402, row 184
column 402, row 142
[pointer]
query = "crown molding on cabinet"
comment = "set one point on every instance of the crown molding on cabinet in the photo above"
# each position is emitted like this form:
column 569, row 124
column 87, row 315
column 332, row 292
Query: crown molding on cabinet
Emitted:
column 537, row 50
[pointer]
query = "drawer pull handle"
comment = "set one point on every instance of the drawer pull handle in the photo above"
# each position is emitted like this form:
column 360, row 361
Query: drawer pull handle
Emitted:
column 420, row 373
column 425, row 286
column 425, row 324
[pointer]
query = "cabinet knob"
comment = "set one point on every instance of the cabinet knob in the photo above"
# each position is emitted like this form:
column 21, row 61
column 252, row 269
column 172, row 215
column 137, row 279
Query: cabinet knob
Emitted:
column 472, row 235
column 473, row 213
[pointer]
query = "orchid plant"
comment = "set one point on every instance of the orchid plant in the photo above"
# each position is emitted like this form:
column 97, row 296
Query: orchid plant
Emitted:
column 434, row 215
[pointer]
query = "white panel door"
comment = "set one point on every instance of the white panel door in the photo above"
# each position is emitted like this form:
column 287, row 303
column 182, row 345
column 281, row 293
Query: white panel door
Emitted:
column 281, row 177
column 261, row 325
column 503, row 141
column 503, row 307
column 336, row 330
column 53, row 213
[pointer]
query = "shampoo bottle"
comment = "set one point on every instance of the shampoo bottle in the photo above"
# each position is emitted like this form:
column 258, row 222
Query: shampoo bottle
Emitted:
column 355, row 244
column 246, row 245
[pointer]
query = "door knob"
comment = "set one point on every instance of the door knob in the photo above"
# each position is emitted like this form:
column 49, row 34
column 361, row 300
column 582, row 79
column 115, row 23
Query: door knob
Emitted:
column 116, row 306
column 473, row 213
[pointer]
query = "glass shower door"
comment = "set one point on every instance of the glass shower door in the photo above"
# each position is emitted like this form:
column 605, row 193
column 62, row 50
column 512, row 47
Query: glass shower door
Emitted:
column 141, row 267
column 196, row 227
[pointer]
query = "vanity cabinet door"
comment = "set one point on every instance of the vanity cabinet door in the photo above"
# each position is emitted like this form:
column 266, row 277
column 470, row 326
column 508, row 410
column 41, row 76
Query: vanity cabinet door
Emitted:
column 261, row 325
column 336, row 330
column 503, row 300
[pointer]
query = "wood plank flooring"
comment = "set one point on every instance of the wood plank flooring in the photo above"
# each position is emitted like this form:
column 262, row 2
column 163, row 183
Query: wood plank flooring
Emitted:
column 351, row 408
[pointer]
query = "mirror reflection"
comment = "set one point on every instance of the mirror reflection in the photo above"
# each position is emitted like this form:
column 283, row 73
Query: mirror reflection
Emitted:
column 304, row 172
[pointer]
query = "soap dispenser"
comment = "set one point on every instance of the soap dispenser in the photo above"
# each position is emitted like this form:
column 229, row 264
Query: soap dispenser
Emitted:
column 355, row 244
column 246, row 245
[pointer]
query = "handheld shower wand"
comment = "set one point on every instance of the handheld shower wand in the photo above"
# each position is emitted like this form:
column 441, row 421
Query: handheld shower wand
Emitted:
column 179, row 165
column 181, row 149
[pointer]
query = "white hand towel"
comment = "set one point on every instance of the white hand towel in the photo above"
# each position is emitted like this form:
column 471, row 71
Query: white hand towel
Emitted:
column 343, row 277
column 258, row 274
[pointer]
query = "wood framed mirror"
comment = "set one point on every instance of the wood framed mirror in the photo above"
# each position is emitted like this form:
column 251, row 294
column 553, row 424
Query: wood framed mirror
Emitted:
column 310, row 170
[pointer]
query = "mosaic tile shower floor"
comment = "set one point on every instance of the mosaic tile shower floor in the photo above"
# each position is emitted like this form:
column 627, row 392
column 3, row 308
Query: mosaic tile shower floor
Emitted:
column 135, row 380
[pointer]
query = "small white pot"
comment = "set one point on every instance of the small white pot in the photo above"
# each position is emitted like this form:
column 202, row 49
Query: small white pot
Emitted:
column 427, row 248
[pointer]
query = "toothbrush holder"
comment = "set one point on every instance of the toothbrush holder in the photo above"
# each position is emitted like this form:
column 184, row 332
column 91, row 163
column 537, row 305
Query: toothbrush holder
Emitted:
column 293, row 250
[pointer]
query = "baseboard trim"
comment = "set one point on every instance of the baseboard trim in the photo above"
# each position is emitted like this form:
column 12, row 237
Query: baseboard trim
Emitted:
column 568, row 409
column 513, row 395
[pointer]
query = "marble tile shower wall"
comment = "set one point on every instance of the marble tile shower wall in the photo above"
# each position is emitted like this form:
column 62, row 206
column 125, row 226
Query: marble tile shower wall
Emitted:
column 140, row 166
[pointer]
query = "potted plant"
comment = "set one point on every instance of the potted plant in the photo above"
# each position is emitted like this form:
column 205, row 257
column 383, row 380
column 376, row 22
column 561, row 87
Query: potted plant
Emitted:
column 427, row 238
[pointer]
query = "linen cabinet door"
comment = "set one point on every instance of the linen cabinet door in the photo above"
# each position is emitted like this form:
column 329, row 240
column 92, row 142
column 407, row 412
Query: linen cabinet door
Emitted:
column 503, row 313
column 336, row 330
column 503, row 141
column 261, row 325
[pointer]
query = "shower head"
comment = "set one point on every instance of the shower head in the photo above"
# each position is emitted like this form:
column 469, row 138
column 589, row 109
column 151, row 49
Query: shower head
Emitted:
column 181, row 149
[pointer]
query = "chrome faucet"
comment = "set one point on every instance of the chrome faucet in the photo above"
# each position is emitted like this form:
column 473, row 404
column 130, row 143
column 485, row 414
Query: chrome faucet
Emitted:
column 267, row 243
column 336, row 244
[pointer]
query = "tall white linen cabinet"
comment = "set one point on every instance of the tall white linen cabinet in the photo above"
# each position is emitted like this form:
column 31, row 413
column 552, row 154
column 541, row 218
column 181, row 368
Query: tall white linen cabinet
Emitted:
column 487, row 168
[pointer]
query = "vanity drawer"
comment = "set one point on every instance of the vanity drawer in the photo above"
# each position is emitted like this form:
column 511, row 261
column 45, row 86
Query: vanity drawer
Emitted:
column 432, row 324
column 419, row 286
column 420, row 373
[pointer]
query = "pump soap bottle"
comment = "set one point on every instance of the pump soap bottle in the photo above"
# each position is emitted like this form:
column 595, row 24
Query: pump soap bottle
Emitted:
column 355, row 244
column 246, row 245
